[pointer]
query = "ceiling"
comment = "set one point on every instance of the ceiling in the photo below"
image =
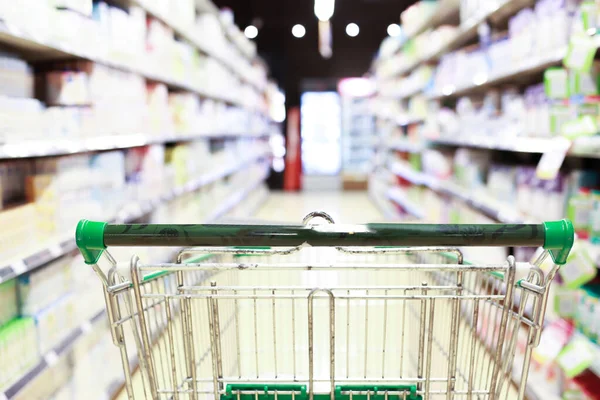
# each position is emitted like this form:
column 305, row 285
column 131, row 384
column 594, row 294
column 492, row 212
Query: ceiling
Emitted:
column 293, row 60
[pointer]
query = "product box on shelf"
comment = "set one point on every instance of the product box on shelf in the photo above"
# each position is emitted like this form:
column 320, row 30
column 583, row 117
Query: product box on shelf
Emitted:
column 42, row 287
column 54, row 323
column 16, row 76
column 23, row 233
column 8, row 301
column 64, row 88
column 18, row 349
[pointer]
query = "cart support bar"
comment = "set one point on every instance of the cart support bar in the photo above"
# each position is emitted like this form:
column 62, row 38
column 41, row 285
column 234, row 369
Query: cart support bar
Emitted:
column 558, row 237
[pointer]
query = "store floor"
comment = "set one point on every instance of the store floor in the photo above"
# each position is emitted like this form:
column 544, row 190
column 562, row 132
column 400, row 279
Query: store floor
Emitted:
column 343, row 207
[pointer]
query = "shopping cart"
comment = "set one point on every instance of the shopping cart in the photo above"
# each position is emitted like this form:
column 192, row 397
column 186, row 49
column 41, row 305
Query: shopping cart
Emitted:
column 325, row 311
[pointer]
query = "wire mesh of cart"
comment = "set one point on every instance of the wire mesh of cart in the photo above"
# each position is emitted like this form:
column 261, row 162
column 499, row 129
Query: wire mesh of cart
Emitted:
column 325, row 311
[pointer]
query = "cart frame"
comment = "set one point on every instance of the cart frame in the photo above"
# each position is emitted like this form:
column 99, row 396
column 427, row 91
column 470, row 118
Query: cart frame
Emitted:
column 466, row 294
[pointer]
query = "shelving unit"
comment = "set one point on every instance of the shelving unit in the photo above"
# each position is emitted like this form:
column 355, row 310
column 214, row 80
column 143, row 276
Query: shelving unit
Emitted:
column 47, row 148
column 488, row 159
column 43, row 49
column 466, row 31
column 50, row 358
column 66, row 245
column 480, row 83
column 447, row 9
column 233, row 179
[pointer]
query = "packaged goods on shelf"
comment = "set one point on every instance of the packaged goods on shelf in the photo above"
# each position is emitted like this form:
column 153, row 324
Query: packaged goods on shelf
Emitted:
column 145, row 173
column 39, row 289
column 8, row 301
column 413, row 83
column 22, row 220
column 12, row 181
column 158, row 109
column 416, row 15
column 18, row 349
column 65, row 189
column 16, row 77
column 22, row 118
column 54, row 323
column 471, row 9
column 88, row 380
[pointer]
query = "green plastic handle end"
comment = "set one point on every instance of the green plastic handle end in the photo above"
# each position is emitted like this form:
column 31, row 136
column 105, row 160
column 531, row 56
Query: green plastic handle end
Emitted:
column 90, row 240
column 559, row 240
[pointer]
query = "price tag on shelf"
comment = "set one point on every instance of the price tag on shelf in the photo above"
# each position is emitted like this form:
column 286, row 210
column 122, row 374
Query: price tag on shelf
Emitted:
column 51, row 358
column 552, row 160
column 580, row 56
column 55, row 250
column 86, row 327
column 19, row 267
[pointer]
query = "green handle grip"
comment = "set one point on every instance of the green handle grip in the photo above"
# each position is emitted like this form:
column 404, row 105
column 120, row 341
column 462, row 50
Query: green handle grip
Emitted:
column 558, row 237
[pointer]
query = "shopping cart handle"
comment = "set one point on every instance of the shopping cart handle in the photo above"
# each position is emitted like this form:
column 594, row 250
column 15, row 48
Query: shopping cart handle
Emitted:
column 557, row 237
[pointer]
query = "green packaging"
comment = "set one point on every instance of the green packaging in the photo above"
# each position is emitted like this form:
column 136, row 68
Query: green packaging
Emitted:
column 566, row 303
column 556, row 83
column 580, row 267
column 579, row 211
column 595, row 218
column 589, row 14
column 585, row 83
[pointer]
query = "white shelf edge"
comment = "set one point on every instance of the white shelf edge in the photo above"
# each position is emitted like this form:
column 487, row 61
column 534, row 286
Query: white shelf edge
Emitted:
column 132, row 212
column 58, row 147
column 524, row 145
column 396, row 195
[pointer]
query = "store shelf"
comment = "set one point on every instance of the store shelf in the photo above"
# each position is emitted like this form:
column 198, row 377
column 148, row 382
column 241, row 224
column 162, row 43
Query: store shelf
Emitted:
column 52, row 357
column 479, row 82
column 59, row 248
column 467, row 31
column 185, row 33
column 404, row 94
column 444, row 13
column 402, row 121
column 42, row 49
column 405, row 146
column 486, row 205
column 59, row 147
column 238, row 197
column 583, row 147
column 67, row 344
column 398, row 196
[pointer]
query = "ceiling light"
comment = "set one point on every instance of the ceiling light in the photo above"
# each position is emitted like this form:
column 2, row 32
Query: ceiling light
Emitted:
column 324, row 9
column 298, row 31
column 352, row 29
column 251, row 32
column 394, row 30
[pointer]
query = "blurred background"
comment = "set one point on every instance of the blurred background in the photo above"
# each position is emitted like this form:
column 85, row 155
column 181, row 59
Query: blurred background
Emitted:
column 193, row 111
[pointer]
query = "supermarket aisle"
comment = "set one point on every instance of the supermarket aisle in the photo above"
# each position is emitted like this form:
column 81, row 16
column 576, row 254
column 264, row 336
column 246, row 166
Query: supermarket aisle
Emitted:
column 344, row 207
